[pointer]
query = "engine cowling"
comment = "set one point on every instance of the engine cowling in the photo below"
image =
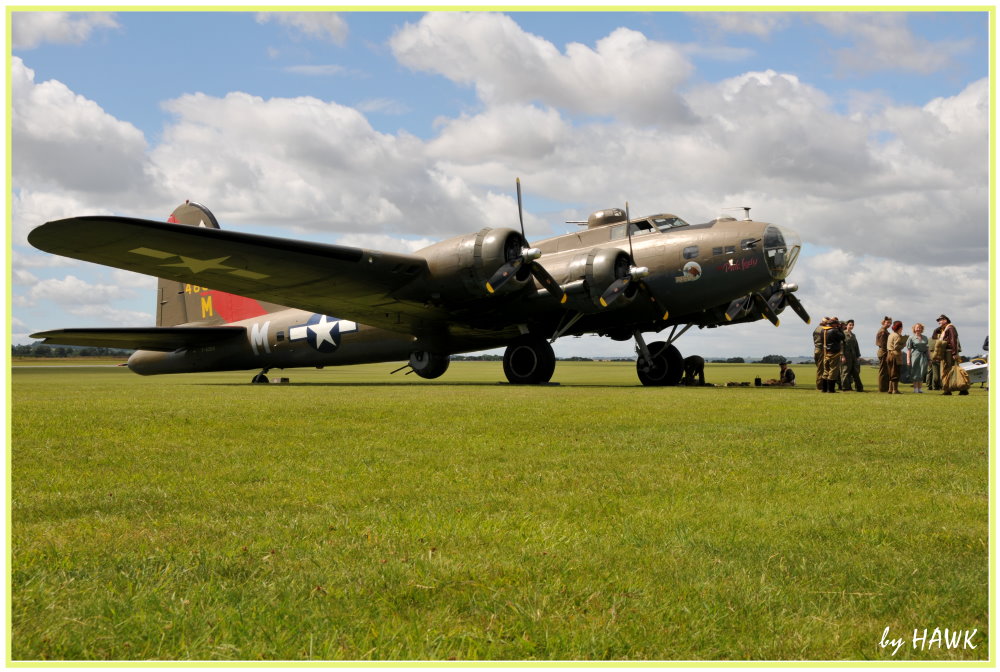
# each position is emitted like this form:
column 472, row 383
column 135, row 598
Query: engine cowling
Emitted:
column 460, row 267
column 592, row 272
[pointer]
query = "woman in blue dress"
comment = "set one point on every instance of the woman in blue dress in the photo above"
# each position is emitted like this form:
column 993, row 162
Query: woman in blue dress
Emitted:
column 917, row 357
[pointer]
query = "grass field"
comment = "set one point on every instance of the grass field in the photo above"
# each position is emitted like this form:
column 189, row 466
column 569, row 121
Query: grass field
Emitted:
column 352, row 516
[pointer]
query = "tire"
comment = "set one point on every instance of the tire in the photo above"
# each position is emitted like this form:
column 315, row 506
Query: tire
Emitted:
column 429, row 365
column 259, row 378
column 667, row 369
column 529, row 360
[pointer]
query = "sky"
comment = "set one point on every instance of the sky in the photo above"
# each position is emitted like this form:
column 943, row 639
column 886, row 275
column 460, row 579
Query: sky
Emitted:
column 865, row 132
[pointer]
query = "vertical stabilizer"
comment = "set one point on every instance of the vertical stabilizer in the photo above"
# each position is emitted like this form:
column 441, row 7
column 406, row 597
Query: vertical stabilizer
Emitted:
column 187, row 303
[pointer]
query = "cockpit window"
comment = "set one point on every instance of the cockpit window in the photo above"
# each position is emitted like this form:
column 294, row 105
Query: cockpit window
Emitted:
column 667, row 223
column 639, row 228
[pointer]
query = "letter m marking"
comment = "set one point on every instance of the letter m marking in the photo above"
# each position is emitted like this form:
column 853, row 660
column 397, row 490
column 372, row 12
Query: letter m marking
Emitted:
column 258, row 337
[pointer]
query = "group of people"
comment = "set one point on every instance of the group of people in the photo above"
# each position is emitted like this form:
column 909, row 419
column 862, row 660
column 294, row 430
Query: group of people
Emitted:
column 926, row 360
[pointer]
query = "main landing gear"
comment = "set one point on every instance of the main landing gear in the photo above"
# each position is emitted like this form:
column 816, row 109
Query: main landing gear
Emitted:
column 529, row 360
column 660, row 363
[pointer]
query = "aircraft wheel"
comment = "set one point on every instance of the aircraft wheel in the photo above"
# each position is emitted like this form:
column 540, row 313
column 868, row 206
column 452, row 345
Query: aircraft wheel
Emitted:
column 529, row 361
column 259, row 378
column 667, row 367
column 429, row 364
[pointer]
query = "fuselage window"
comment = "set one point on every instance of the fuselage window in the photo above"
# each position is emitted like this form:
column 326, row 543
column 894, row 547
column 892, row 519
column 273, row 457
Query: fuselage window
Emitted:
column 730, row 249
column 716, row 251
column 691, row 252
column 749, row 243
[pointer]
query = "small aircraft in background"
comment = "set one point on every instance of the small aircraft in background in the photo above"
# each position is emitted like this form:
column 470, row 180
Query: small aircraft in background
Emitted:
column 229, row 301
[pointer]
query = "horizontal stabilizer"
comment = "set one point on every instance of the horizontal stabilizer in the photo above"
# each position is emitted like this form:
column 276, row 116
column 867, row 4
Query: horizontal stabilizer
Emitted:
column 166, row 339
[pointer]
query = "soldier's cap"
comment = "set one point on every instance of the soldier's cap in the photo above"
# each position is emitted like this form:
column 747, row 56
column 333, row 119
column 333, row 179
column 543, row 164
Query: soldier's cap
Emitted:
column 943, row 317
column 887, row 319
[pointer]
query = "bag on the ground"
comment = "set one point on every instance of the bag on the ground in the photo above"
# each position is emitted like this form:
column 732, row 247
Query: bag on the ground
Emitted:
column 957, row 380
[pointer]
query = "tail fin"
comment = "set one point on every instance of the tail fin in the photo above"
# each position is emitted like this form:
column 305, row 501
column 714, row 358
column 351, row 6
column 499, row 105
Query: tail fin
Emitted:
column 186, row 303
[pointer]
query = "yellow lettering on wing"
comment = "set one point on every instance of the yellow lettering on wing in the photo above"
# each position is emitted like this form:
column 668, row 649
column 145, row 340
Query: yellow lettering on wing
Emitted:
column 206, row 306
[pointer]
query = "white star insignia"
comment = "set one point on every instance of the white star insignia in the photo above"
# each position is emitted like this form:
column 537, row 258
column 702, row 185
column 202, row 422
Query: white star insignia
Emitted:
column 323, row 331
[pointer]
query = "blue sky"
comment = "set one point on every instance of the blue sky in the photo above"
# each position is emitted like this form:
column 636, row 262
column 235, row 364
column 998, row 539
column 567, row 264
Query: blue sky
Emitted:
column 865, row 132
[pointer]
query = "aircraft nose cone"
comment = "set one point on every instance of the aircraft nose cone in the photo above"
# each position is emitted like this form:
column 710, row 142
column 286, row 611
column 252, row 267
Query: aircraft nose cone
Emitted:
column 781, row 250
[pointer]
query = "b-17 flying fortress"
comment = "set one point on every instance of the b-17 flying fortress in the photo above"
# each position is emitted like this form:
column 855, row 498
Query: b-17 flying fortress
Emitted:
column 228, row 300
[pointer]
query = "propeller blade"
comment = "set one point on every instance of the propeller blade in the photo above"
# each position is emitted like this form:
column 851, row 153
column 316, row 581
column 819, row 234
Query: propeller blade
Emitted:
column 765, row 308
column 548, row 282
column 796, row 305
column 520, row 209
column 777, row 300
column 503, row 274
column 735, row 308
column 652, row 299
column 628, row 229
column 614, row 290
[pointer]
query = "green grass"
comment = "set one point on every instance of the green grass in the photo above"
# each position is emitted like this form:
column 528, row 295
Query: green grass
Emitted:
column 353, row 516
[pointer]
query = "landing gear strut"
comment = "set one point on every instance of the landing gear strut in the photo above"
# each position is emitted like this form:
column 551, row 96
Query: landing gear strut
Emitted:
column 529, row 360
column 261, row 377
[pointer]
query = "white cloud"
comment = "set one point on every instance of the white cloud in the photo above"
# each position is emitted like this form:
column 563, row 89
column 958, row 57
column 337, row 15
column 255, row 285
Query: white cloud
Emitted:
column 758, row 24
column 73, row 292
column 61, row 139
column 316, row 70
column 383, row 106
column 109, row 315
column 384, row 242
column 324, row 26
column 626, row 75
column 884, row 41
column 31, row 29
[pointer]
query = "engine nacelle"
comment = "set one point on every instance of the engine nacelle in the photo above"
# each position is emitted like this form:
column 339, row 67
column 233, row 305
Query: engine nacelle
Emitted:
column 460, row 267
column 591, row 273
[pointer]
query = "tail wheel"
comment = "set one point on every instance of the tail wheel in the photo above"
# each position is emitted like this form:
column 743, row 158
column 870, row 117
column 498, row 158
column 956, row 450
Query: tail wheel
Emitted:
column 529, row 361
column 667, row 366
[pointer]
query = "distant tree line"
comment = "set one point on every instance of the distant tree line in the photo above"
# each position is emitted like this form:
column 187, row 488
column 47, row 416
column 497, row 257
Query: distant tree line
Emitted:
column 499, row 358
column 60, row 351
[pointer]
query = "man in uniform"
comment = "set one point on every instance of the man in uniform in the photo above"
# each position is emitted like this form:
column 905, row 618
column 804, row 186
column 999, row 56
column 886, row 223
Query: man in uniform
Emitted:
column 832, row 339
column 881, row 340
column 933, row 377
column 818, row 351
column 850, row 367
column 694, row 367
column 952, row 347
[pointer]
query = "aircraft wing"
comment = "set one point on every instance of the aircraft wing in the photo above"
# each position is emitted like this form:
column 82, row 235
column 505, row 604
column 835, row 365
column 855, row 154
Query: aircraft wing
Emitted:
column 166, row 339
column 347, row 282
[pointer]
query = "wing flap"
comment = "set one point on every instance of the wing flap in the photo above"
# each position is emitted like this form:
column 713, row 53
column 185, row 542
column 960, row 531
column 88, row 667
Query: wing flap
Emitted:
column 349, row 282
column 165, row 339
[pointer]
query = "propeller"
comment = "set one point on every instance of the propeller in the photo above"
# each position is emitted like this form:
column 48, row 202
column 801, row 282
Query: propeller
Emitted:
column 527, row 256
column 784, row 297
column 635, row 273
